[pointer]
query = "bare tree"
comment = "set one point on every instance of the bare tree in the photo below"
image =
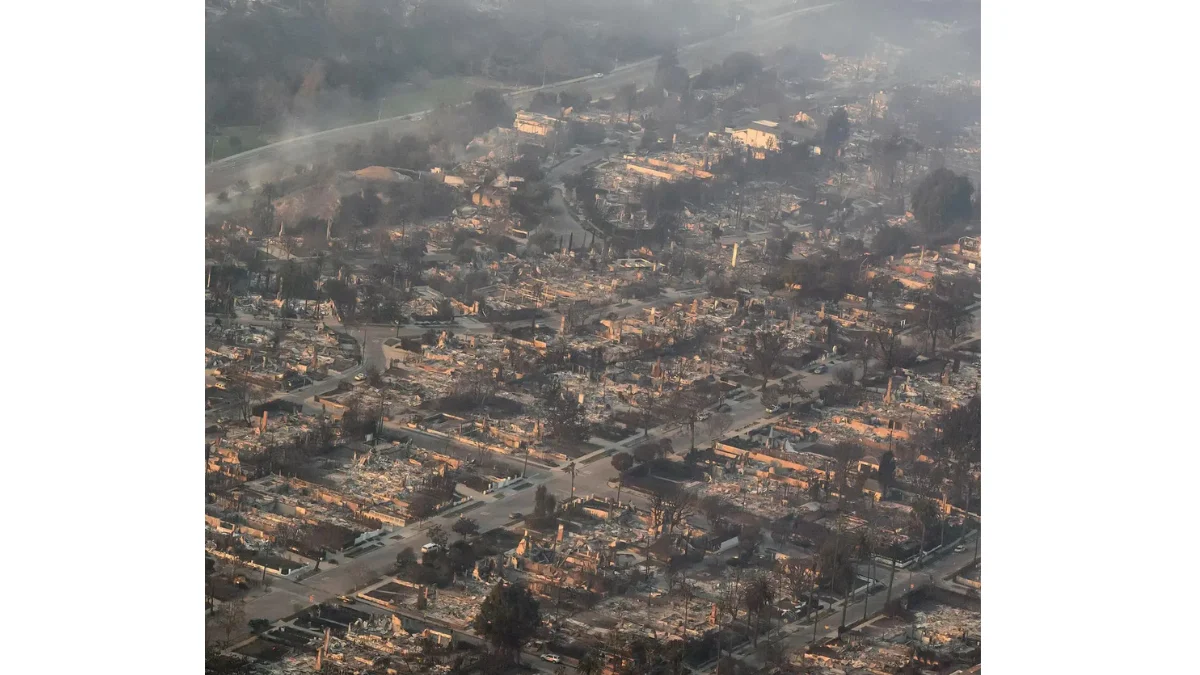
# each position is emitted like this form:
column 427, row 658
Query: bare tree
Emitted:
column 718, row 424
column 680, row 504
column 886, row 341
column 792, row 389
column 845, row 453
column 649, row 404
column 686, row 406
column 246, row 390
column 764, row 349
column 686, row 593
column 230, row 617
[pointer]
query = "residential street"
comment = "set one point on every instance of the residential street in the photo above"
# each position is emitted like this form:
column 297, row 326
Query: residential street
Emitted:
column 795, row 637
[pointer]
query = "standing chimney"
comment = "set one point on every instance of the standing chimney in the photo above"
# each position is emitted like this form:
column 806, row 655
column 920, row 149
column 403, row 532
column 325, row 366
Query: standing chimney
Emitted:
column 733, row 263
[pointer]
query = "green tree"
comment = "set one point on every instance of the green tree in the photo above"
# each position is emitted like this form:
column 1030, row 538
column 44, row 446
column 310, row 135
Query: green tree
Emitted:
column 543, row 503
column 622, row 462
column 508, row 617
column 741, row 67
column 489, row 109
column 837, row 131
column 890, row 241
column 759, row 596
column 438, row 536
column 887, row 472
column 564, row 413
column 465, row 527
column 943, row 200
column 262, row 212
column 626, row 98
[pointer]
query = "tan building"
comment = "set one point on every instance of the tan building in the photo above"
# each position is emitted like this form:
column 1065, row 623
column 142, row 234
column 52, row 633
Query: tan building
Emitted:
column 535, row 123
column 760, row 135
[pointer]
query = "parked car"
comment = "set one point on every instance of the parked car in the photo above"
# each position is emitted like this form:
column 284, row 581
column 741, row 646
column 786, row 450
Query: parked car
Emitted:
column 552, row 658
column 772, row 409
column 960, row 548
column 359, row 377
column 818, row 370
column 347, row 600
column 704, row 415
column 724, row 408
column 598, row 75
column 516, row 514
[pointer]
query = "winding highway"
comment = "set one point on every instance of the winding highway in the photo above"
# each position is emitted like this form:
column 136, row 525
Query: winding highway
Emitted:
column 271, row 162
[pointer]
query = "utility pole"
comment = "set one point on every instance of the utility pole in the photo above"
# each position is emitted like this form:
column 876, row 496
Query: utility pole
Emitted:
column 572, row 467
column 890, row 581
column 943, row 527
column 526, row 466
column 815, row 604
column 870, row 574
column 846, row 596
column 978, row 538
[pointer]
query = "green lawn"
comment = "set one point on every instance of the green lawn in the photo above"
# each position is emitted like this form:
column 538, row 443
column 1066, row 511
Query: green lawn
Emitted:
column 448, row 90
column 226, row 146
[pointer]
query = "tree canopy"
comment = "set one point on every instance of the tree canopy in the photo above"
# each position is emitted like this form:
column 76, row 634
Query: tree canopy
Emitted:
column 837, row 131
column 508, row 617
column 943, row 200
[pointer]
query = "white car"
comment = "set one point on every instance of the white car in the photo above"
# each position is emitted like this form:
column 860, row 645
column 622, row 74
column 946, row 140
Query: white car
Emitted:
column 552, row 658
column 359, row 377
column 598, row 75
column 704, row 416
column 960, row 548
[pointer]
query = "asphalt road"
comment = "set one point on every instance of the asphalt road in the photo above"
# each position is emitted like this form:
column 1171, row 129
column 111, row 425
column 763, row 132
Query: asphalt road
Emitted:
column 273, row 161
column 561, row 221
column 795, row 637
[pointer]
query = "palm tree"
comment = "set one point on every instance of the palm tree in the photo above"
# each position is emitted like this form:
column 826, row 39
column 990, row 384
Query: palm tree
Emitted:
column 759, row 596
